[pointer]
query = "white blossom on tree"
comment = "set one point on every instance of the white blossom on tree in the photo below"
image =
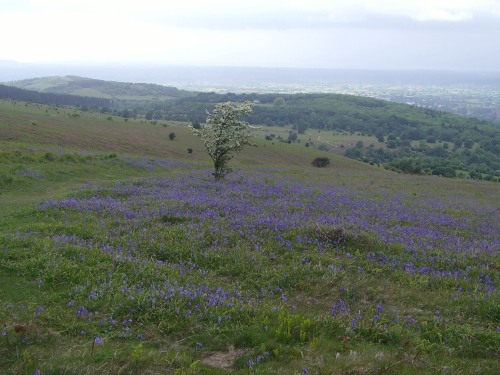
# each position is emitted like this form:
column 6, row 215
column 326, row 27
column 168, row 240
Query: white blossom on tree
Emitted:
column 224, row 134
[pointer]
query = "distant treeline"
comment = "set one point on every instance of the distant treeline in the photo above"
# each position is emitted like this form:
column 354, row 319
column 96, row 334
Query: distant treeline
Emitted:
column 14, row 93
column 393, row 121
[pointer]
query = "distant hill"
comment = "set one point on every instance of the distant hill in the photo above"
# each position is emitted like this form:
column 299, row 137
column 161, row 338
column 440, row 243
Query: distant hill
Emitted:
column 83, row 86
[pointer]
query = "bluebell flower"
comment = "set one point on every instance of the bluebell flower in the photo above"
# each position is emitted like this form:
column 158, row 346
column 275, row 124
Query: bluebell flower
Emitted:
column 38, row 310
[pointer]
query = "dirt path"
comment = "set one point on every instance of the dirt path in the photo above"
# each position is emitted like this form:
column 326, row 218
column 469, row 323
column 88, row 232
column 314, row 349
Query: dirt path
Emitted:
column 332, row 146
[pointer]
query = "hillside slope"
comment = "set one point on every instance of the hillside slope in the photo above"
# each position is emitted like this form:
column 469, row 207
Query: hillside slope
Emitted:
column 75, row 85
column 71, row 128
column 119, row 253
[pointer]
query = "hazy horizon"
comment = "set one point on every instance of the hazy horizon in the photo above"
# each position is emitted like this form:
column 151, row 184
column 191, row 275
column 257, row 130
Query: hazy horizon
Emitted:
column 185, row 75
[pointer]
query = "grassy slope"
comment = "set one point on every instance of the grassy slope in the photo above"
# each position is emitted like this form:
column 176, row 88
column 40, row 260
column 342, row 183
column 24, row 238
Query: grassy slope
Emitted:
column 80, row 153
column 42, row 125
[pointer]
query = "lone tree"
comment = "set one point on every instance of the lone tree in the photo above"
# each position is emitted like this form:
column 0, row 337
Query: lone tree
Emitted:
column 224, row 134
column 171, row 136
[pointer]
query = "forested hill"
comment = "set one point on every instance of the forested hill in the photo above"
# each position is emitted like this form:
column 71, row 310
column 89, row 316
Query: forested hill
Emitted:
column 397, row 122
column 328, row 111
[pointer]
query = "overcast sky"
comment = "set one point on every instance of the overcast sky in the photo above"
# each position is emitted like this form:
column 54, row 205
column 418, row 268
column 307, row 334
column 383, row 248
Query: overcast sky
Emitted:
column 380, row 34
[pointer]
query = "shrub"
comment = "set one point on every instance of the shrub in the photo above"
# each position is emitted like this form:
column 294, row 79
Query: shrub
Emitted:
column 321, row 162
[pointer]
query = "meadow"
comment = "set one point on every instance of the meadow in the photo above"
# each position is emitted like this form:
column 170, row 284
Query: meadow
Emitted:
column 119, row 254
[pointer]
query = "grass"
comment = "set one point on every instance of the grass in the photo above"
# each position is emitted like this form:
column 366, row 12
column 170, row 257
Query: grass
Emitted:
column 126, row 257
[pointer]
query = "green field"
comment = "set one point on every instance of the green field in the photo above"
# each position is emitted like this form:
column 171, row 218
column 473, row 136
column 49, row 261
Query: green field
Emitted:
column 119, row 254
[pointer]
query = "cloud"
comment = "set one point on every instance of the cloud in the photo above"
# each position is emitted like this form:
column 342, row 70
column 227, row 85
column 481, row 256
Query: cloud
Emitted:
column 63, row 35
column 276, row 14
column 435, row 10
column 314, row 33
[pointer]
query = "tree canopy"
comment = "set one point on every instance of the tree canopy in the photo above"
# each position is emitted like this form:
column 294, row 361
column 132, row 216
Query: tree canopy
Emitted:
column 224, row 134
